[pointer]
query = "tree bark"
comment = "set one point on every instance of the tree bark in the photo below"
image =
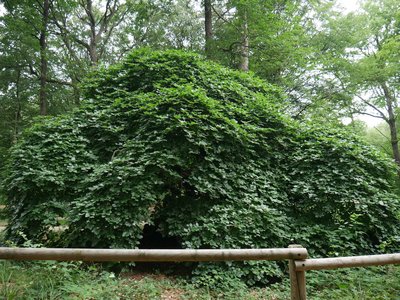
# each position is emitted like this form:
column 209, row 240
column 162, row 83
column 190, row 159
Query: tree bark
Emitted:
column 208, row 26
column 392, row 125
column 43, row 58
column 17, row 119
column 244, row 51
column 394, row 141
column 93, row 34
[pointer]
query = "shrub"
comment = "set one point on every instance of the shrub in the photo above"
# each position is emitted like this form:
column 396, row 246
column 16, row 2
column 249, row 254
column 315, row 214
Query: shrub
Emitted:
column 206, row 155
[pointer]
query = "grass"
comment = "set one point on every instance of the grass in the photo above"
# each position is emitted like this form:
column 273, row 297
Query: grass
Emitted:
column 62, row 280
column 377, row 283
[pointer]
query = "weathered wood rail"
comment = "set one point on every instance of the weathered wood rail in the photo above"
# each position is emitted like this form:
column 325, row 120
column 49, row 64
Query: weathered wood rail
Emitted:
column 347, row 262
column 151, row 255
column 297, row 256
column 297, row 268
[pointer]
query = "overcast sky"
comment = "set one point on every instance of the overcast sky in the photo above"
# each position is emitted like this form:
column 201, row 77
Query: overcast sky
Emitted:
column 348, row 5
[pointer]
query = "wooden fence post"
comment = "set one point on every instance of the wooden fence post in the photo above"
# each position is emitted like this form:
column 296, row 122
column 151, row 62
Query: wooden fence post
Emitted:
column 297, row 280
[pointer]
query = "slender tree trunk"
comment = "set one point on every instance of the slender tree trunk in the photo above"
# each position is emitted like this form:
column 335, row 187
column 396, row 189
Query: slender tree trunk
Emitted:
column 394, row 141
column 93, row 51
column 43, row 58
column 392, row 125
column 93, row 34
column 17, row 119
column 208, row 26
column 244, row 51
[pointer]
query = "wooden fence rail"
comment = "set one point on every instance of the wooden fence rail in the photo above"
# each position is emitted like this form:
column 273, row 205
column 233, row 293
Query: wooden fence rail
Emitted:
column 151, row 255
column 347, row 262
column 296, row 254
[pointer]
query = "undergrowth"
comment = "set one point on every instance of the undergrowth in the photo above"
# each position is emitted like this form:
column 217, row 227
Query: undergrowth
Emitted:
column 62, row 280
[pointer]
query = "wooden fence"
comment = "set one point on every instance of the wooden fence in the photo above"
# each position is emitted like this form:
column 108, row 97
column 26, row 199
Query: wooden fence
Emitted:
column 297, row 256
column 297, row 268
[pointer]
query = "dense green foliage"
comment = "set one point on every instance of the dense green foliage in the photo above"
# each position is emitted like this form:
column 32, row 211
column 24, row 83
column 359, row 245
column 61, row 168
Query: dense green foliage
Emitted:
column 205, row 155
column 326, row 60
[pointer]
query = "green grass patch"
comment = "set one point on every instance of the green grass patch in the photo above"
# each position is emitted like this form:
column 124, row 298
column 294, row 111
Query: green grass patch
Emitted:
column 377, row 283
column 64, row 280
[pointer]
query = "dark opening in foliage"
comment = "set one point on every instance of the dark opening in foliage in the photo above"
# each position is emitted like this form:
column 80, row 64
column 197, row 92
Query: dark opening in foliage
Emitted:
column 153, row 239
column 203, row 153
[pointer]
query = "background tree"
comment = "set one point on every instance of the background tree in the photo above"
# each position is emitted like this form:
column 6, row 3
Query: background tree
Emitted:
column 90, row 25
column 364, row 63
column 277, row 41
column 33, row 16
column 208, row 26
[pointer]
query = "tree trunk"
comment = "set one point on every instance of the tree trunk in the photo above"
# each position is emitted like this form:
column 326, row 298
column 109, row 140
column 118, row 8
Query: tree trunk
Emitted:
column 93, row 34
column 93, row 51
column 394, row 141
column 43, row 58
column 392, row 125
column 208, row 26
column 17, row 119
column 244, row 51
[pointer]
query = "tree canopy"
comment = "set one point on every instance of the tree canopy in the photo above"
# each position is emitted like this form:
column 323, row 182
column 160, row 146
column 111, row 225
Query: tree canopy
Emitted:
column 206, row 156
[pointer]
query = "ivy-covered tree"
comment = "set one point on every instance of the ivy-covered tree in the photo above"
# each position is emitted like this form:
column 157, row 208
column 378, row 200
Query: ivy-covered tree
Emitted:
column 205, row 156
